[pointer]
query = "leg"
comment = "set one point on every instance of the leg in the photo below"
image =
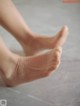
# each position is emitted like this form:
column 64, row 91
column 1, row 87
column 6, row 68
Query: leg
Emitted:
column 31, row 43
column 16, row 70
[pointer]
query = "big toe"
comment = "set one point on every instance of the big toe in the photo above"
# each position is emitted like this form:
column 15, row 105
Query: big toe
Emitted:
column 56, row 59
column 57, row 56
column 58, row 52
column 62, row 36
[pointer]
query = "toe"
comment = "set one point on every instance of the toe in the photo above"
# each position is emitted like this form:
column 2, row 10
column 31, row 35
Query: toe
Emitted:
column 58, row 49
column 56, row 57
column 63, row 31
column 57, row 53
column 53, row 68
column 61, row 36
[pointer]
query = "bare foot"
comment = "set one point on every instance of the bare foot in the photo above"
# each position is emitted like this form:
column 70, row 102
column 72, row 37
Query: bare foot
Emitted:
column 20, row 70
column 41, row 43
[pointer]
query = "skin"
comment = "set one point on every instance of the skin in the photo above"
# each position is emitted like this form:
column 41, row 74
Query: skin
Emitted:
column 15, row 69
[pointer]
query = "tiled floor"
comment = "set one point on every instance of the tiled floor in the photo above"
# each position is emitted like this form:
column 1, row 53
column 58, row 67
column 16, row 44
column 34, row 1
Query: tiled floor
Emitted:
column 63, row 87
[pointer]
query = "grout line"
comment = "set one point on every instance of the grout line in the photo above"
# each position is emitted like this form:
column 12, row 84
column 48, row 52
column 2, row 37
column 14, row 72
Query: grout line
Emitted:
column 36, row 98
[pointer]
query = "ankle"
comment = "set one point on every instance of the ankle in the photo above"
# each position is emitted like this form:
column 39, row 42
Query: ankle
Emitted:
column 27, row 38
